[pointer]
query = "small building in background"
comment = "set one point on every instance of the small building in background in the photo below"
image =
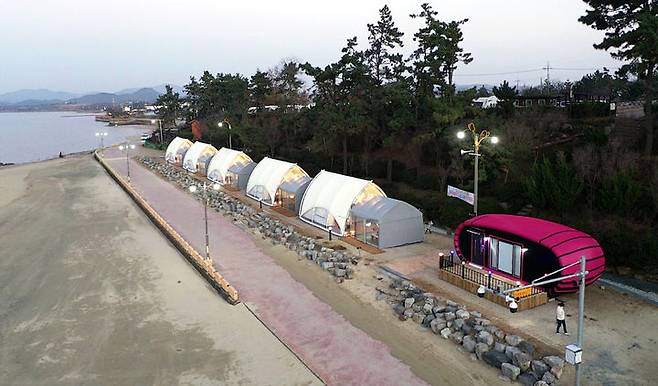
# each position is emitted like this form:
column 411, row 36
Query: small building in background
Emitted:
column 219, row 169
column 523, row 249
column 278, row 183
column 197, row 158
column 486, row 102
column 176, row 150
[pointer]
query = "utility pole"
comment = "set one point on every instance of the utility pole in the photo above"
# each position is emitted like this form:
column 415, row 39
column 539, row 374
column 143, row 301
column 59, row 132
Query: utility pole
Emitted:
column 548, row 72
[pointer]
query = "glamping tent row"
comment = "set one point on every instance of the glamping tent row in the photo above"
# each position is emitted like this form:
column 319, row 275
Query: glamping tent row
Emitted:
column 343, row 205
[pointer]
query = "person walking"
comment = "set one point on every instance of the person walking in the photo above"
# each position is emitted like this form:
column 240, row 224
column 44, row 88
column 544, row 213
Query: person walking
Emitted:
column 560, row 317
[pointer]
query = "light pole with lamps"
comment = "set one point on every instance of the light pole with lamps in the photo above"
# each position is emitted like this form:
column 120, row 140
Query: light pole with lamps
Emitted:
column 127, row 147
column 159, row 127
column 228, row 124
column 478, row 138
column 101, row 135
column 205, row 187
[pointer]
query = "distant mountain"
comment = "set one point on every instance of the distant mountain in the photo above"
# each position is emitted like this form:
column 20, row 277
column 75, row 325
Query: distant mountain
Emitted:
column 159, row 88
column 106, row 98
column 466, row 86
column 35, row 95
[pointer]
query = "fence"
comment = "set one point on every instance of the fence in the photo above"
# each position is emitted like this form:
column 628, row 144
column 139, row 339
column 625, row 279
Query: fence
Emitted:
column 470, row 279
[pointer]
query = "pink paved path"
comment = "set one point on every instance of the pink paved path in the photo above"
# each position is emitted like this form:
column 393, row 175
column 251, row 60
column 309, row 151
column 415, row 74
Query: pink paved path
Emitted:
column 338, row 352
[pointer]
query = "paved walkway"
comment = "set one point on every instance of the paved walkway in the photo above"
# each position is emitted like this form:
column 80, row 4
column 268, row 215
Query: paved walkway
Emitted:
column 338, row 352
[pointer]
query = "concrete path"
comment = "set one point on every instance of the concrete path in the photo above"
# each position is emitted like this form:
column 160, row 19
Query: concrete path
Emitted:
column 338, row 352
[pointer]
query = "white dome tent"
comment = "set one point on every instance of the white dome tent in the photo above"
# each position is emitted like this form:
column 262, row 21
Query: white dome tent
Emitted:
column 198, row 157
column 176, row 150
column 353, row 207
column 278, row 183
column 230, row 167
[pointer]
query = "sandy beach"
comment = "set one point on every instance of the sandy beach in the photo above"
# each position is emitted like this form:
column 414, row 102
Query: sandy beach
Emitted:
column 92, row 293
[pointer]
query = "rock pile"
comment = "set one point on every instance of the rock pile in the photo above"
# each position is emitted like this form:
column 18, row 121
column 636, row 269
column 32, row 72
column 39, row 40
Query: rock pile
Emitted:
column 338, row 263
column 516, row 358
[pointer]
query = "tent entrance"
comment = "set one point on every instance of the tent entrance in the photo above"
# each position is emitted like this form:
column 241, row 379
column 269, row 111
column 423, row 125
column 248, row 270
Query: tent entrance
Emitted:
column 365, row 230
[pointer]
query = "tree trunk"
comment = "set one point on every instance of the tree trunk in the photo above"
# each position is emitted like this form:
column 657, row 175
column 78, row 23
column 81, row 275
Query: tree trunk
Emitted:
column 648, row 111
column 389, row 170
column 345, row 155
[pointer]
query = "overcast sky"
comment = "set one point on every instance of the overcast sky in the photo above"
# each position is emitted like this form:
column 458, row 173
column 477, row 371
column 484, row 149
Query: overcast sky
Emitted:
column 88, row 45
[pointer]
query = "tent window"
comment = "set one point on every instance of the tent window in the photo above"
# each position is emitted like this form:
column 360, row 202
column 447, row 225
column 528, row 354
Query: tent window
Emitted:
column 505, row 257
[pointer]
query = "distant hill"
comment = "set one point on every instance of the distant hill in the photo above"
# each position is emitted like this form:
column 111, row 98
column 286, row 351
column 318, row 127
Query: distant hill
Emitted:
column 106, row 98
column 32, row 95
column 161, row 88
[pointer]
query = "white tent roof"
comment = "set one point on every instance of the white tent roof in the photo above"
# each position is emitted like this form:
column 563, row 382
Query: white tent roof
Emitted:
column 194, row 153
column 270, row 173
column 223, row 161
column 175, row 146
column 336, row 193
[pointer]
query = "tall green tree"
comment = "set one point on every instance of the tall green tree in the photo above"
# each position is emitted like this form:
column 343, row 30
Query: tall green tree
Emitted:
column 170, row 107
column 506, row 94
column 632, row 36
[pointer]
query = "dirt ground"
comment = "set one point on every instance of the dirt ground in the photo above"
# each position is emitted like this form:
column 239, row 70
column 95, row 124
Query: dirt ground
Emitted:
column 621, row 333
column 92, row 293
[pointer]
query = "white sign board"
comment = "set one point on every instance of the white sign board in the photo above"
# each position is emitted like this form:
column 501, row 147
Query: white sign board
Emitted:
column 461, row 194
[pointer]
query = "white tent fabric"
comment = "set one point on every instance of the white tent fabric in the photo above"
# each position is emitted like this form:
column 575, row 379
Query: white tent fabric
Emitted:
column 268, row 175
column 330, row 196
column 196, row 153
column 223, row 161
column 177, row 146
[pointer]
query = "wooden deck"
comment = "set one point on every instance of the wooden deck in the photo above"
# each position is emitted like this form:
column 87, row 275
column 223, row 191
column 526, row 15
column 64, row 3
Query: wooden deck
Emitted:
column 284, row 211
column 360, row 244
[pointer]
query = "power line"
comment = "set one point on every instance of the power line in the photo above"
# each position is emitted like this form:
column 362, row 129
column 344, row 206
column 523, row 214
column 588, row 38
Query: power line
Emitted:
column 547, row 69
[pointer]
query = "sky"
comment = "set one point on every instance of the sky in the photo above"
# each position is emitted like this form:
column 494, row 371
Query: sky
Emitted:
column 88, row 45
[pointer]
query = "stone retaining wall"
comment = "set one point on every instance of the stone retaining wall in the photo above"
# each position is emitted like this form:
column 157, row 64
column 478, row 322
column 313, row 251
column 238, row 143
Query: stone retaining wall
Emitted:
column 339, row 264
column 202, row 265
column 516, row 358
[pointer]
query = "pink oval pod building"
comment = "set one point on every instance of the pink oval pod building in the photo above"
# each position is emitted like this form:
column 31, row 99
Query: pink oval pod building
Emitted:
column 526, row 248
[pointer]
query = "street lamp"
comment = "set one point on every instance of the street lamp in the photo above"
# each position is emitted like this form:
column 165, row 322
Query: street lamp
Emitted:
column 127, row 147
column 101, row 135
column 331, row 228
column 478, row 137
column 205, row 187
column 160, row 127
column 228, row 124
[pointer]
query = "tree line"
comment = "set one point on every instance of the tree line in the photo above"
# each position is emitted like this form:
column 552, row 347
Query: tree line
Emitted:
column 378, row 114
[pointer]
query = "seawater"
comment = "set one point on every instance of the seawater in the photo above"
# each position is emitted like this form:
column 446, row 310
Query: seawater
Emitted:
column 36, row 136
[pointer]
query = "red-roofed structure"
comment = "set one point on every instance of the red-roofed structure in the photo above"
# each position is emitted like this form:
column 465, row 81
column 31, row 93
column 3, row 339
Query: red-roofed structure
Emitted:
column 526, row 248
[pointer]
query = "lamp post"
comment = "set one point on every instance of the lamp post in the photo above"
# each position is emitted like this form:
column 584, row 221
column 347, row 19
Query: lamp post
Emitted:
column 101, row 135
column 331, row 228
column 205, row 187
column 127, row 147
column 160, row 127
column 478, row 137
column 228, row 124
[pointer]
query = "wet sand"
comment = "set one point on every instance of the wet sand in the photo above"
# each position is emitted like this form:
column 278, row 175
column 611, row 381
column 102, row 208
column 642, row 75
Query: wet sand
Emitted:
column 92, row 293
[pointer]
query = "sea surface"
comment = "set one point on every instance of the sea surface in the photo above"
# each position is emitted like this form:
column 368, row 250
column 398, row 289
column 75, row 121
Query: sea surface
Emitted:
column 36, row 136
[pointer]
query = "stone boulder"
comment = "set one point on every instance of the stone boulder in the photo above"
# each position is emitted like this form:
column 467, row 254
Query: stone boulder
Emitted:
column 449, row 316
column 418, row 317
column 480, row 349
column 549, row 378
column 510, row 371
column 500, row 347
column 527, row 379
column 457, row 337
column 526, row 347
column 445, row 333
column 522, row 360
column 457, row 324
column 485, row 337
column 437, row 325
column 494, row 358
column 510, row 351
column 462, row 314
column 513, row 340
column 469, row 343
column 541, row 383
column 554, row 361
column 539, row 368
column 408, row 302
